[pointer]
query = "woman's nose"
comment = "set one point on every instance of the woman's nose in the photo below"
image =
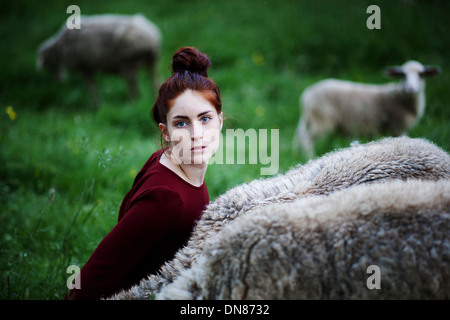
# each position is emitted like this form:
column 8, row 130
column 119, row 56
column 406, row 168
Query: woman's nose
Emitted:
column 197, row 130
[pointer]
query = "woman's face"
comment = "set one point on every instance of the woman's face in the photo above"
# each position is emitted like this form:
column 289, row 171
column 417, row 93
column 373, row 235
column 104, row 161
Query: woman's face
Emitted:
column 192, row 129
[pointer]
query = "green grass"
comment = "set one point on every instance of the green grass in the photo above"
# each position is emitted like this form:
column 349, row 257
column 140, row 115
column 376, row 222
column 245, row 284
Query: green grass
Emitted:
column 66, row 167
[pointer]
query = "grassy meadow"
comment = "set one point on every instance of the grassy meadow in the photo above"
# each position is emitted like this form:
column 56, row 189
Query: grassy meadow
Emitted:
column 65, row 166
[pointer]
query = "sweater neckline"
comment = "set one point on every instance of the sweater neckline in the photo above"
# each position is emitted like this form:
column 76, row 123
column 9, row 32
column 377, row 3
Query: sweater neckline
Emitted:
column 176, row 174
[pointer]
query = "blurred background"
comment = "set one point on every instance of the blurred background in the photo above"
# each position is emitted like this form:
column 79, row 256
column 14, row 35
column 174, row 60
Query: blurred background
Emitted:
column 66, row 166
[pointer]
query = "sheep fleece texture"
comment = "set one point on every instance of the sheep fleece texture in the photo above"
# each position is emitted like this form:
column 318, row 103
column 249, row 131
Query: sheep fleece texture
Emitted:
column 391, row 159
column 320, row 248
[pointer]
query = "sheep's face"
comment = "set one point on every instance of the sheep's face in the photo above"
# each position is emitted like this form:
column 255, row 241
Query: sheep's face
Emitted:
column 192, row 129
column 45, row 61
column 413, row 73
column 413, row 81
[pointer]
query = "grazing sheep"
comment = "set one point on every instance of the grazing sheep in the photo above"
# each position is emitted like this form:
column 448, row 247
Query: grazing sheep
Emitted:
column 116, row 44
column 363, row 109
column 321, row 247
column 389, row 159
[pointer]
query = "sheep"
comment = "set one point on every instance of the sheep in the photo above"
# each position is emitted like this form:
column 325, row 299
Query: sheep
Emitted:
column 109, row 43
column 362, row 109
column 326, row 247
column 398, row 158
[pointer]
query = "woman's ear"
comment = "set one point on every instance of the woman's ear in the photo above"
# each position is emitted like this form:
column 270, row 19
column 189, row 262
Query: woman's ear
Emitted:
column 163, row 129
column 221, row 120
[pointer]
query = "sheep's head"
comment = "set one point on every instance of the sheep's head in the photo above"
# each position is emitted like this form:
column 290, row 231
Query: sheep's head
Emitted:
column 413, row 73
column 48, row 59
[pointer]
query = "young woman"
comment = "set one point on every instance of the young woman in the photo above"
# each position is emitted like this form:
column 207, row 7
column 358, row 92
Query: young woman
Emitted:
column 169, row 194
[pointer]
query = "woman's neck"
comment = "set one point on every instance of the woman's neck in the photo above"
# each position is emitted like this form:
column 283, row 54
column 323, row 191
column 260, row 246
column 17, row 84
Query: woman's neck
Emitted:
column 192, row 173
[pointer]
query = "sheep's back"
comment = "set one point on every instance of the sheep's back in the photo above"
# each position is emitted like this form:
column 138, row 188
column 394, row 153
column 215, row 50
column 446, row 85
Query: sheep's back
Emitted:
column 399, row 158
column 351, row 107
column 106, row 42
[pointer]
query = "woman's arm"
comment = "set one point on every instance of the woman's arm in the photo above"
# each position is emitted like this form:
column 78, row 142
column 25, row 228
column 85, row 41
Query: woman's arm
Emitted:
column 147, row 222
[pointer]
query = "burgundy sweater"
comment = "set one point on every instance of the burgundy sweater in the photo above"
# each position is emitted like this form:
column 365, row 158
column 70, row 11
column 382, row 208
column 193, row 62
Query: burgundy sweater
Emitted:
column 156, row 219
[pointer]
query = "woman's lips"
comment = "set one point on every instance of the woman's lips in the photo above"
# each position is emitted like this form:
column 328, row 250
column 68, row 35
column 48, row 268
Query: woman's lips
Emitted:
column 198, row 149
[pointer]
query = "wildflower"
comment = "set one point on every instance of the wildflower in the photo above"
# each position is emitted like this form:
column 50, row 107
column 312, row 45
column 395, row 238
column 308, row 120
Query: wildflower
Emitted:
column 133, row 172
column 258, row 59
column 11, row 113
column 260, row 111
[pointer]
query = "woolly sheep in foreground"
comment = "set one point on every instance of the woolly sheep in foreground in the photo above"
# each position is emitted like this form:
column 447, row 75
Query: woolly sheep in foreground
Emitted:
column 363, row 109
column 320, row 247
column 389, row 159
column 116, row 44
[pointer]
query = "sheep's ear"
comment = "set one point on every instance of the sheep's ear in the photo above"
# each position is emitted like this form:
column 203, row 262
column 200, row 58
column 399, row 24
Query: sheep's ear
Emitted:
column 394, row 72
column 430, row 71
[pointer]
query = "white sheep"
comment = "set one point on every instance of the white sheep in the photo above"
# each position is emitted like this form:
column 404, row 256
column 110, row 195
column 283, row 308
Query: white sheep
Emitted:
column 109, row 43
column 362, row 109
column 371, row 241
column 399, row 158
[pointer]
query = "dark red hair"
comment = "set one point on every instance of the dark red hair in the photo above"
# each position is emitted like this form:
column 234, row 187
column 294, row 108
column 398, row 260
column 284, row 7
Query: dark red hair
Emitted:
column 189, row 71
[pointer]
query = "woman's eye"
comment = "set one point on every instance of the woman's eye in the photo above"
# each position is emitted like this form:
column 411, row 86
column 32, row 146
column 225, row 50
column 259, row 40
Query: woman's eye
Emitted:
column 180, row 124
column 206, row 119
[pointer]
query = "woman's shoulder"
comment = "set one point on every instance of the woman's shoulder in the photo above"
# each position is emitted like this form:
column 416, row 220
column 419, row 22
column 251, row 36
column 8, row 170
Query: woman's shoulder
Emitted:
column 153, row 160
column 158, row 173
column 154, row 177
column 156, row 197
column 160, row 193
column 150, row 166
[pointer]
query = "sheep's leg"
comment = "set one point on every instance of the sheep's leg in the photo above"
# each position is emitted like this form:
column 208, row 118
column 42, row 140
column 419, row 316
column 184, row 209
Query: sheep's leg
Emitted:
column 302, row 139
column 90, row 80
column 318, row 123
column 308, row 144
column 130, row 75
column 133, row 87
column 153, row 74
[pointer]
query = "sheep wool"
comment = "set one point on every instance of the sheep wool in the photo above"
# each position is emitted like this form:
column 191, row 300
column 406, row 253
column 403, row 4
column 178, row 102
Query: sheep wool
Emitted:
column 386, row 160
column 334, row 105
column 109, row 43
column 325, row 247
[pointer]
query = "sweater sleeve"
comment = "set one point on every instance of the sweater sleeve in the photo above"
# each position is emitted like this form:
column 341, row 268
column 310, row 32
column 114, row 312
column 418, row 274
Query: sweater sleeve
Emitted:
column 152, row 217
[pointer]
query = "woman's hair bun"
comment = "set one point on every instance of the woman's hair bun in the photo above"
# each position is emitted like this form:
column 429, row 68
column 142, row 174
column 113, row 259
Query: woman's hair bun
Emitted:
column 191, row 60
